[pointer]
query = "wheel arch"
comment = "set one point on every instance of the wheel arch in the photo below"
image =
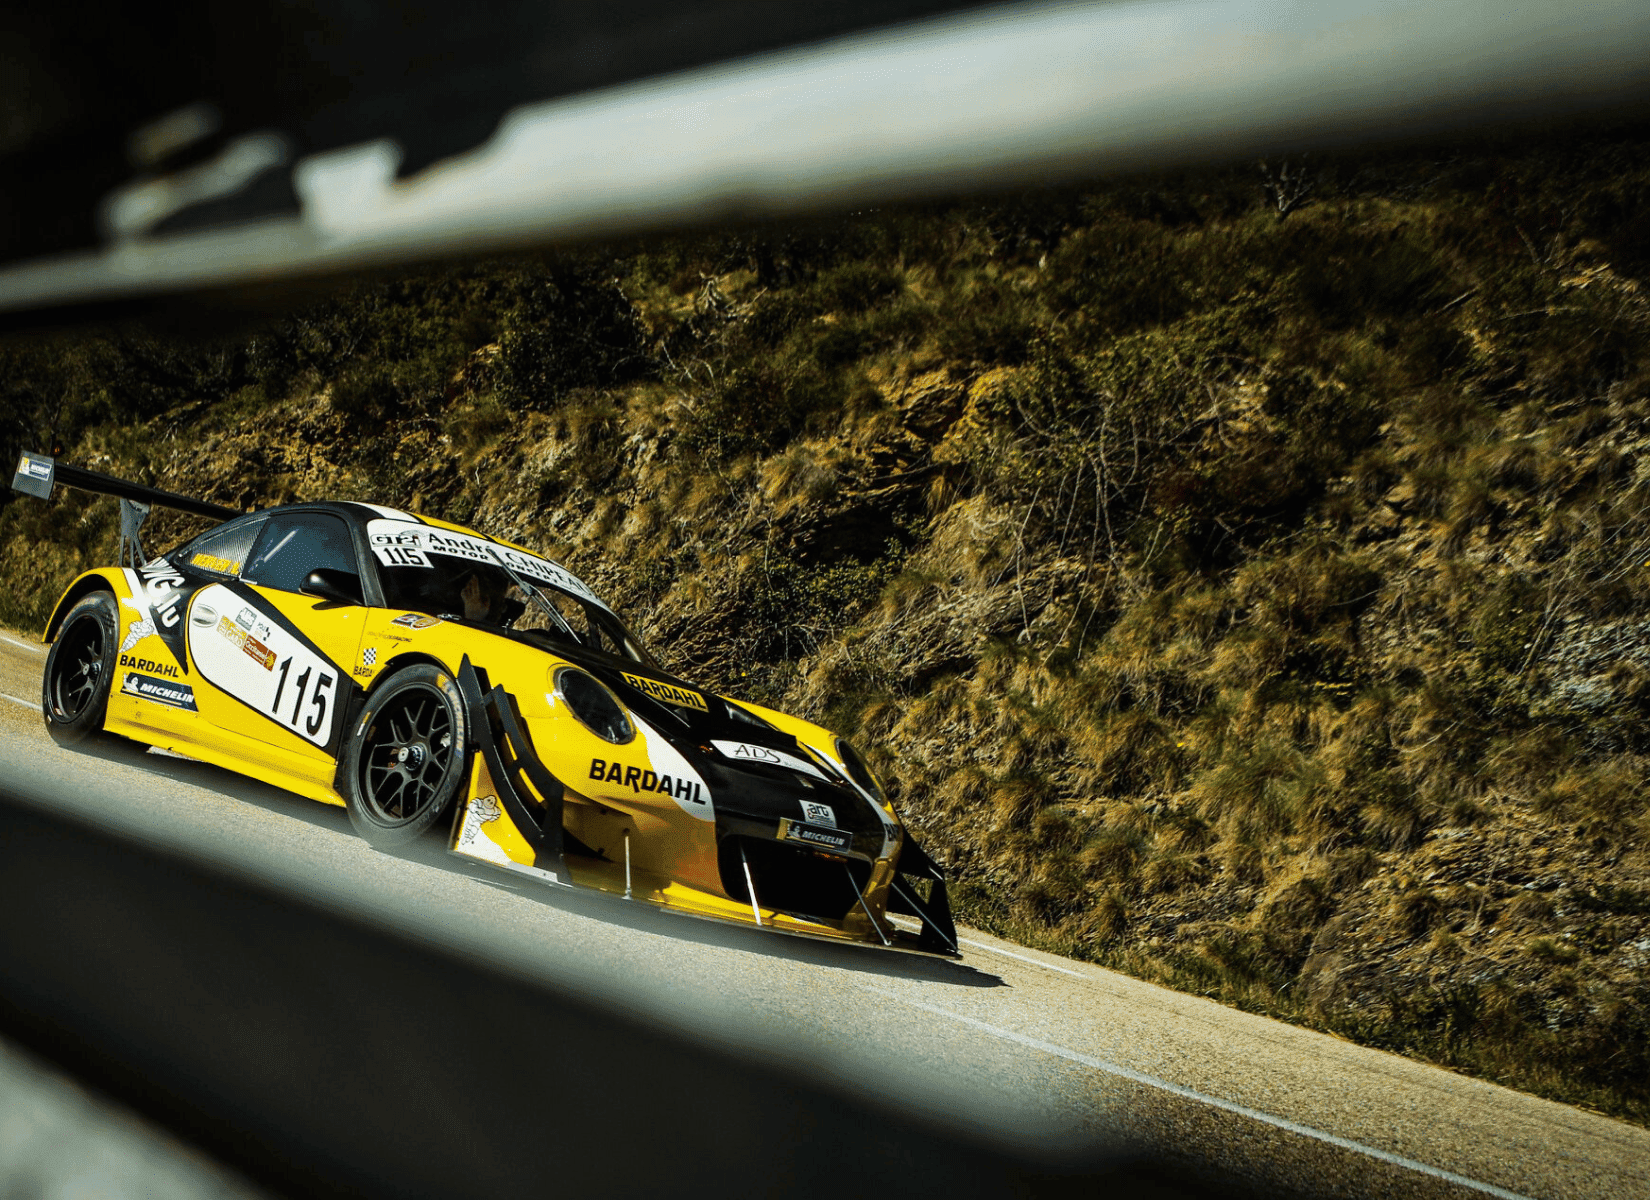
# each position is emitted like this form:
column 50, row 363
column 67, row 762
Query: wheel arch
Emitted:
column 102, row 580
column 408, row 658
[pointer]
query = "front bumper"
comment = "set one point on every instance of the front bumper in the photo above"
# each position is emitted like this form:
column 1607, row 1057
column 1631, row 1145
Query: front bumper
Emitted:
column 780, row 874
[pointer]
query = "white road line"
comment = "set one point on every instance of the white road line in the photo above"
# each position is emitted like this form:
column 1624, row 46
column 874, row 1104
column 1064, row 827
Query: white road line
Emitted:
column 24, row 703
column 1033, row 961
column 1241, row 1110
column 6, row 637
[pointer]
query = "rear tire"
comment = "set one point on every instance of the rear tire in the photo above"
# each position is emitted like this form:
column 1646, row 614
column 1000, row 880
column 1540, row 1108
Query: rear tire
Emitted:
column 405, row 760
column 74, row 691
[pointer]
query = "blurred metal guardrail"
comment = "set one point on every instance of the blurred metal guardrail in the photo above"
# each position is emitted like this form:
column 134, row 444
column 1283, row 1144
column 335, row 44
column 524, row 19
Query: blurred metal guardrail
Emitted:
column 322, row 1053
column 970, row 100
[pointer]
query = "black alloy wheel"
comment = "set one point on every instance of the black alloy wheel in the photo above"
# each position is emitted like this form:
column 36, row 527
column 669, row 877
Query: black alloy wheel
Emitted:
column 74, row 691
column 405, row 760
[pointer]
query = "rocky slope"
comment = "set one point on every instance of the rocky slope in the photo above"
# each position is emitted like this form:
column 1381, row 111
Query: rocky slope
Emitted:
column 1250, row 600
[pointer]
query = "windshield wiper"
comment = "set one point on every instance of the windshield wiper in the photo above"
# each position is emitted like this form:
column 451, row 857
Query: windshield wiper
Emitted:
column 534, row 594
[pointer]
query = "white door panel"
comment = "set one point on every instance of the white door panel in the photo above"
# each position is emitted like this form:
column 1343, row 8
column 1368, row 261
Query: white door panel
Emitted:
column 238, row 649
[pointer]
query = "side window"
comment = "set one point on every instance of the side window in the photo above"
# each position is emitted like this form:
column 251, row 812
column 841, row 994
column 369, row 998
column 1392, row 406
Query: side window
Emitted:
column 224, row 551
column 295, row 544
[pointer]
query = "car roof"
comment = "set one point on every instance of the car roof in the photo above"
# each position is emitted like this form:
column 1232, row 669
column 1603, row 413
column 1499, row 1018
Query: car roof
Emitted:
column 359, row 512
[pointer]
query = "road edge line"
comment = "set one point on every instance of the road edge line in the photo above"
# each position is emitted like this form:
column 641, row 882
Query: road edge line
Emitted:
column 990, row 949
column 1187, row 1093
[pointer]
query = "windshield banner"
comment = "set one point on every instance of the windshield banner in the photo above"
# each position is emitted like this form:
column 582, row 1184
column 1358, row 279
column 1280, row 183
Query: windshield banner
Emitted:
column 410, row 544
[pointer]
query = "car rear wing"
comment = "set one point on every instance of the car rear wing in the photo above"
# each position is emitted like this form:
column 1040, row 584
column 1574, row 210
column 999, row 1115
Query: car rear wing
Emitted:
column 38, row 473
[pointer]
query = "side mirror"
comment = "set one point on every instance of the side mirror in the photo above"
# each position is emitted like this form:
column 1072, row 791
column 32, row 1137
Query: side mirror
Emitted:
column 328, row 583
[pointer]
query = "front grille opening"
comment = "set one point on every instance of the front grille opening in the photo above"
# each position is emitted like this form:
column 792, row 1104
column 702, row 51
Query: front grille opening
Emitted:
column 792, row 879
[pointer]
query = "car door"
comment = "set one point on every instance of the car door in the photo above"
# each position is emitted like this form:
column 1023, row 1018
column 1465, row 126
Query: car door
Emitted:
column 277, row 662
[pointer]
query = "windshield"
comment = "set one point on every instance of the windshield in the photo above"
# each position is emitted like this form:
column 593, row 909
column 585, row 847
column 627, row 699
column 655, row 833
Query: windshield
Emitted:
column 460, row 577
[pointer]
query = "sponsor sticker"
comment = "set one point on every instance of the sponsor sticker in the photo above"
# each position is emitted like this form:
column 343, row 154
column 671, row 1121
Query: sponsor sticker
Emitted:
column 162, row 594
column 638, row 780
column 766, row 755
column 416, row 621
column 483, row 810
column 212, row 562
column 161, row 581
column 148, row 664
column 818, row 814
column 293, row 684
column 259, row 653
column 34, row 477
column 761, row 754
column 140, row 629
column 401, row 549
column 667, row 692
column 162, row 691
column 204, row 616
column 369, row 656
column 813, row 835
column 474, row 842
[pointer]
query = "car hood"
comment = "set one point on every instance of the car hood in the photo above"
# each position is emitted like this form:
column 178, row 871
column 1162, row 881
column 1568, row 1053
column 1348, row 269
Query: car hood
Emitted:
column 754, row 769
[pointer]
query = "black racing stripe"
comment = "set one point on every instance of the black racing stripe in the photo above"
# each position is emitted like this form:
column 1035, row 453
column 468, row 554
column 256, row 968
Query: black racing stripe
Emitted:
column 175, row 638
column 372, row 514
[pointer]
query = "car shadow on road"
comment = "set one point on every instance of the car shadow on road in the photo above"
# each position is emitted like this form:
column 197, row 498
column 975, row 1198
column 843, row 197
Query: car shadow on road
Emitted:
column 639, row 916
column 642, row 917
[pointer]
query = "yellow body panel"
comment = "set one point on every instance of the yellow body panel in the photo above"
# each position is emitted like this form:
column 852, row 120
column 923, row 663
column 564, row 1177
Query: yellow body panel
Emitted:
column 220, row 731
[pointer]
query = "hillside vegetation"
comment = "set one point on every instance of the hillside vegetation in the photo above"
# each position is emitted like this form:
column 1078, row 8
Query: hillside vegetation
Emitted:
column 1244, row 593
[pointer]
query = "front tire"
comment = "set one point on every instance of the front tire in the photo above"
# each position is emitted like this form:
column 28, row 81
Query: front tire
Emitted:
column 74, row 691
column 405, row 760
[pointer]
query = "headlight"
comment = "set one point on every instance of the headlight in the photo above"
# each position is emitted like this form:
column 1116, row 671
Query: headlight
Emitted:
column 596, row 708
column 857, row 770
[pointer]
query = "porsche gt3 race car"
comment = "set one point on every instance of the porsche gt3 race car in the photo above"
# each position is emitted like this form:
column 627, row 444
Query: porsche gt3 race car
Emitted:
column 415, row 671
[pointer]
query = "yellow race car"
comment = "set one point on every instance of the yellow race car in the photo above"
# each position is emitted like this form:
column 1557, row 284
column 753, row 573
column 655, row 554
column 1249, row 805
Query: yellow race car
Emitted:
column 414, row 672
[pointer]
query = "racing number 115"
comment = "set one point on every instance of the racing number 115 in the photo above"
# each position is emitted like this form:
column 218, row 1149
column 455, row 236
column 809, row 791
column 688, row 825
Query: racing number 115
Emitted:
column 318, row 699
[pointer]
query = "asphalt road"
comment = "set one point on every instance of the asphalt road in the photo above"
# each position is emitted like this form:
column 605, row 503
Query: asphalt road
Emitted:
column 1012, row 1044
